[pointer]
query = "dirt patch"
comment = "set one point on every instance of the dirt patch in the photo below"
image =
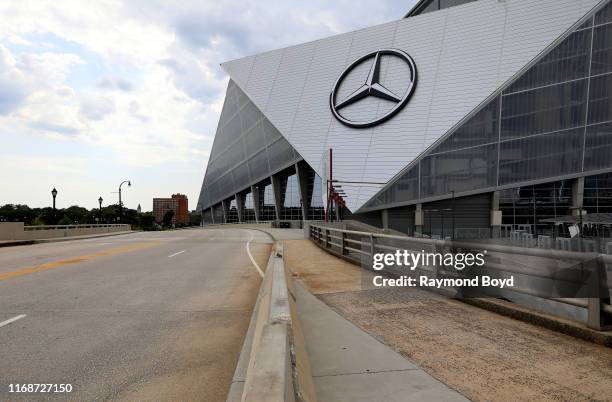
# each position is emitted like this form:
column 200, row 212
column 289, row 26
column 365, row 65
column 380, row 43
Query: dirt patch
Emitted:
column 319, row 271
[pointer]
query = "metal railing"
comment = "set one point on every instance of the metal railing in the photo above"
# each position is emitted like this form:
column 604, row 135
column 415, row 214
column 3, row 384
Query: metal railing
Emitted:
column 533, row 265
column 77, row 226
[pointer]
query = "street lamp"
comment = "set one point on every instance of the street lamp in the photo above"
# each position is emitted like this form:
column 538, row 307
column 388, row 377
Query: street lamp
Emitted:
column 54, row 194
column 120, row 204
column 100, row 202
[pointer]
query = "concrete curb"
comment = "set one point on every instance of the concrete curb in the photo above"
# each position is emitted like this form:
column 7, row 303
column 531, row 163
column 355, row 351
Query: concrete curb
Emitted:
column 273, row 364
column 12, row 243
column 60, row 239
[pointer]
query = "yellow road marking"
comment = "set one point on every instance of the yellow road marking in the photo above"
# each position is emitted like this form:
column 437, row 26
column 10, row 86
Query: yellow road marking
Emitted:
column 76, row 260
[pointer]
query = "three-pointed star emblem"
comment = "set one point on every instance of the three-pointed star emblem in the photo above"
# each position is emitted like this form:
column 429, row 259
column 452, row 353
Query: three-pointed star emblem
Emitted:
column 372, row 87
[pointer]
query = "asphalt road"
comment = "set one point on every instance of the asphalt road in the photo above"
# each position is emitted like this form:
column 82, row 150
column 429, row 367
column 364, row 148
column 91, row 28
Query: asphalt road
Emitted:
column 145, row 316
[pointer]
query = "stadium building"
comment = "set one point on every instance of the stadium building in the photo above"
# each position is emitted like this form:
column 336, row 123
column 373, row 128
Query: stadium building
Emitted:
column 463, row 117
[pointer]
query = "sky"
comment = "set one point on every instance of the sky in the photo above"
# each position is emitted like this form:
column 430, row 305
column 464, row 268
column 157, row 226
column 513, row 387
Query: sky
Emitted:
column 96, row 92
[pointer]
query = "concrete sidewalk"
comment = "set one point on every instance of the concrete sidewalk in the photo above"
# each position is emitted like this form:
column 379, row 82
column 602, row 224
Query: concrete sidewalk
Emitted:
column 350, row 365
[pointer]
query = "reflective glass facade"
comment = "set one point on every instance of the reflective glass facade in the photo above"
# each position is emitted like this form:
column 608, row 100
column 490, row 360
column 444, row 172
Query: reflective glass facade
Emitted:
column 246, row 150
column 555, row 119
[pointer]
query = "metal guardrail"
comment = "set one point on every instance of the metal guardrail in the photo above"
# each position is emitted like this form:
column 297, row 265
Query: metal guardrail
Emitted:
column 63, row 227
column 360, row 247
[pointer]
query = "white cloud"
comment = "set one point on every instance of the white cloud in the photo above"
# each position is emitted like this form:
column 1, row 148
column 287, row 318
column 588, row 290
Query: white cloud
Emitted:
column 140, row 79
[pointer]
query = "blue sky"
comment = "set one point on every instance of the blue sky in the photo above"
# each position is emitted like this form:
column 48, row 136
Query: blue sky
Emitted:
column 92, row 93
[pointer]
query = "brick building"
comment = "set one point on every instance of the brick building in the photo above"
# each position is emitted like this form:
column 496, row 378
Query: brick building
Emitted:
column 178, row 203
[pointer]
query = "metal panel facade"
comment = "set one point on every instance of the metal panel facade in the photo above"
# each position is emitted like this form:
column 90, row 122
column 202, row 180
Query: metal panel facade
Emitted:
column 463, row 55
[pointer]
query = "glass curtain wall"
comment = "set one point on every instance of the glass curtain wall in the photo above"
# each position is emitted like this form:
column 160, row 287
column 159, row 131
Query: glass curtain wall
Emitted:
column 248, row 215
column 291, row 202
column 554, row 120
column 267, row 210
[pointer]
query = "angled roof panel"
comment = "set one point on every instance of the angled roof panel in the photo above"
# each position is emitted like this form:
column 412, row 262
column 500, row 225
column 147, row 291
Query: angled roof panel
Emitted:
column 463, row 55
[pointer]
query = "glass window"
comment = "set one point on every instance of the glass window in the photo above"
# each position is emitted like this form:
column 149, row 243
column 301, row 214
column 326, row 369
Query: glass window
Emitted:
column 267, row 211
column 604, row 16
column 248, row 214
column 232, row 212
column 587, row 24
column 568, row 61
column 600, row 102
column 602, row 50
column 544, row 110
column 452, row 3
column 598, row 193
column 462, row 170
column 316, row 210
column 598, row 151
column 433, row 5
column 541, row 156
column 406, row 188
column 292, row 203
column 480, row 129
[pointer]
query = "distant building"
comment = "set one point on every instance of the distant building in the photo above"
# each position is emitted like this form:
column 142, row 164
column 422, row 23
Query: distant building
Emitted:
column 182, row 212
column 178, row 203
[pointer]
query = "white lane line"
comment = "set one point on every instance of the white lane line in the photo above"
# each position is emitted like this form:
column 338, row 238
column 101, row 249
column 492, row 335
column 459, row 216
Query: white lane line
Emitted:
column 248, row 249
column 175, row 254
column 10, row 320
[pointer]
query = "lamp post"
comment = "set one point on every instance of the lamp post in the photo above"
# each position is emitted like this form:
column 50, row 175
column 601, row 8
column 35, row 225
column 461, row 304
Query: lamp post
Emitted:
column 120, row 204
column 54, row 194
column 100, row 202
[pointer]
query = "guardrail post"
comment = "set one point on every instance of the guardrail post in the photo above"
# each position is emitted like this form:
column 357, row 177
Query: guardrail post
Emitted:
column 326, row 238
column 342, row 236
column 597, row 318
column 372, row 249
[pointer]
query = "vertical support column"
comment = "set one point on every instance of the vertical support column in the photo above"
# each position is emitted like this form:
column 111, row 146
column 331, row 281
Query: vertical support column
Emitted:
column 302, row 176
column 256, row 204
column 496, row 215
column 240, row 207
column 276, row 189
column 418, row 218
column 385, row 218
column 577, row 197
column 224, row 209
column 212, row 214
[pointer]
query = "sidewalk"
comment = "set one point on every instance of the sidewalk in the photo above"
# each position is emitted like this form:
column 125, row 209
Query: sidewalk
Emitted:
column 483, row 355
column 350, row 365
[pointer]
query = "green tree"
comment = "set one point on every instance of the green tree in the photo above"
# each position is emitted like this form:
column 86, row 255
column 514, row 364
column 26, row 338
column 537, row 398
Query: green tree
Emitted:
column 147, row 221
column 65, row 221
column 195, row 218
column 167, row 220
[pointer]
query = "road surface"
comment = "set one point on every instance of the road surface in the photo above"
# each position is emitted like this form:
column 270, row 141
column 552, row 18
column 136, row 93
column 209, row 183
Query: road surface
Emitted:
column 145, row 316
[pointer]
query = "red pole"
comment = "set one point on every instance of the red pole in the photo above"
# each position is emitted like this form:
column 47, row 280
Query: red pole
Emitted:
column 331, row 188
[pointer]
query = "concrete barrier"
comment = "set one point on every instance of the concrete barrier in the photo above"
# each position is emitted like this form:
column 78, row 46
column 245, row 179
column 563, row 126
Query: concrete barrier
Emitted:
column 17, row 230
column 277, row 369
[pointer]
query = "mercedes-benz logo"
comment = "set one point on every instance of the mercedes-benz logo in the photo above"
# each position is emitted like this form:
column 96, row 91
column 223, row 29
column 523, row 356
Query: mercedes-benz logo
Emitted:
column 373, row 87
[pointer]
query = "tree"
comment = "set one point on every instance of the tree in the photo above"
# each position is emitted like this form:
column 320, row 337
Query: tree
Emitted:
column 167, row 220
column 147, row 221
column 65, row 221
column 195, row 218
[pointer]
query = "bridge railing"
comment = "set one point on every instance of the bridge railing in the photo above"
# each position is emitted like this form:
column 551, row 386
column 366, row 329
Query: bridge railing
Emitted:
column 77, row 226
column 537, row 269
